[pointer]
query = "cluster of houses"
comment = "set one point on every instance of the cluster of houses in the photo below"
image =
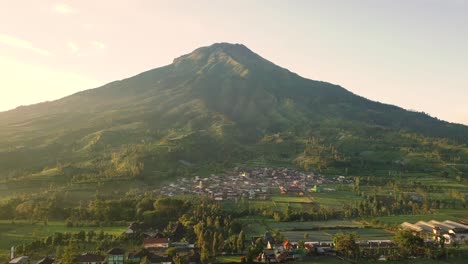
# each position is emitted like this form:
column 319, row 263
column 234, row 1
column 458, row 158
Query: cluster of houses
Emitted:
column 252, row 184
column 452, row 232
column 290, row 250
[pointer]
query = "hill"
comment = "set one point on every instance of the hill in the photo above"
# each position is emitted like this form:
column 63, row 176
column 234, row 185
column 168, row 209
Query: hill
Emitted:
column 218, row 107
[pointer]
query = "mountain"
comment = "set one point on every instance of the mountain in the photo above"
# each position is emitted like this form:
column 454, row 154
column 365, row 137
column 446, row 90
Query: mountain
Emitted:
column 218, row 107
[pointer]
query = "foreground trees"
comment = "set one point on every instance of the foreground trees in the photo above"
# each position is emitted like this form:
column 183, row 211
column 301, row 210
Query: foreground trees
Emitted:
column 408, row 244
column 345, row 243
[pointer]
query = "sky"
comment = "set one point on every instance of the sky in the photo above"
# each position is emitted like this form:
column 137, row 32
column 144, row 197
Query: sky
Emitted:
column 413, row 54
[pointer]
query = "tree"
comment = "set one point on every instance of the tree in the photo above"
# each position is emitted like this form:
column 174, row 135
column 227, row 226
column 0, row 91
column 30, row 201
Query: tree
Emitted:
column 81, row 236
column 301, row 244
column 288, row 213
column 254, row 251
column 221, row 242
column 91, row 234
column 277, row 216
column 205, row 256
column 69, row 252
column 408, row 243
column 58, row 253
column 277, row 236
column 171, row 252
column 199, row 230
column 345, row 243
column 240, row 241
column 215, row 245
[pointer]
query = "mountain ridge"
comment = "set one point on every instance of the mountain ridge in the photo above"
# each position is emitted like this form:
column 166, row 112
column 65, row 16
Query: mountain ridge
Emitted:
column 219, row 106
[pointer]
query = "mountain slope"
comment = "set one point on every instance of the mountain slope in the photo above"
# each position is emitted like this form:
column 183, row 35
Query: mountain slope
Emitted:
column 219, row 106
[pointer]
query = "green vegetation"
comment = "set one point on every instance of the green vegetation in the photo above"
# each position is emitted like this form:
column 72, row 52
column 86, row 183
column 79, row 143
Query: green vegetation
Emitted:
column 328, row 234
column 19, row 232
column 216, row 108
column 90, row 161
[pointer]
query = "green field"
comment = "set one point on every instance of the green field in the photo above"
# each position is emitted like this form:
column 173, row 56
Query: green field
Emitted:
column 317, row 230
column 291, row 199
column 19, row 232
column 335, row 199
column 278, row 203
column 327, row 234
column 291, row 226
column 227, row 259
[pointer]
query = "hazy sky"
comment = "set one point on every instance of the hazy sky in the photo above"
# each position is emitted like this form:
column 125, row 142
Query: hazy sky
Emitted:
column 412, row 53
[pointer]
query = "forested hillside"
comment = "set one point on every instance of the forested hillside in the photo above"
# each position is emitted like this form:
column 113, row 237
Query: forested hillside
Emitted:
column 218, row 107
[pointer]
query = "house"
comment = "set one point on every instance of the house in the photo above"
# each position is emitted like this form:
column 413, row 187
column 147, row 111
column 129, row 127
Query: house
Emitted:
column 434, row 230
column 412, row 227
column 428, row 230
column 90, row 258
column 459, row 231
column 151, row 243
column 115, row 256
column 46, row 260
column 19, row 260
column 456, row 224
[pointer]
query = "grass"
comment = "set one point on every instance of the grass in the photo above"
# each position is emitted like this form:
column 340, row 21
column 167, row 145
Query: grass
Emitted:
column 227, row 259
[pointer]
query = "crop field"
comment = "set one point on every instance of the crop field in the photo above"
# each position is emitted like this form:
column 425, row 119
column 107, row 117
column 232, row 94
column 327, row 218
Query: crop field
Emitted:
column 327, row 234
column 278, row 203
column 292, row 226
column 291, row 199
column 320, row 229
column 335, row 199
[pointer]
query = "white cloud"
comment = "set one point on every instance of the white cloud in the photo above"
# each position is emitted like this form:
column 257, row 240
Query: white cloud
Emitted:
column 73, row 47
column 63, row 9
column 23, row 44
column 98, row 44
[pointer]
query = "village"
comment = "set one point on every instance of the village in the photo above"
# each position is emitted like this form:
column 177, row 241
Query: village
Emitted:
column 156, row 247
column 252, row 184
column 165, row 247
